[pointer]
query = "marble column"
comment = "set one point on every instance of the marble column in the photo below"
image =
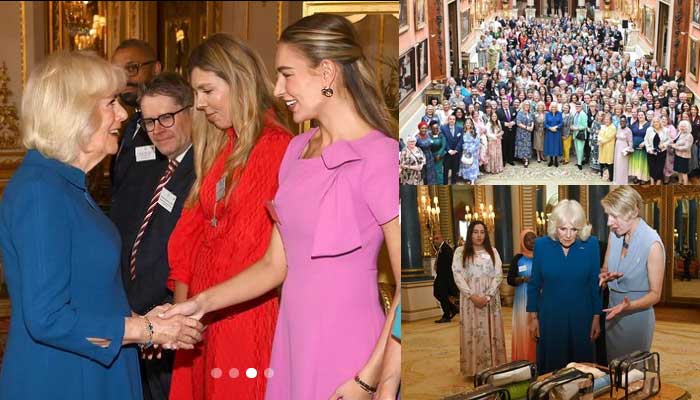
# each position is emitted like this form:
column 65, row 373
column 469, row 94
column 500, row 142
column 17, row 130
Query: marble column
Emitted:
column 596, row 215
column 411, row 251
column 503, row 236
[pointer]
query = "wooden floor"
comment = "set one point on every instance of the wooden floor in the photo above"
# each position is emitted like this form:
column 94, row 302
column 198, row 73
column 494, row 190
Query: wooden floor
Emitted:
column 430, row 355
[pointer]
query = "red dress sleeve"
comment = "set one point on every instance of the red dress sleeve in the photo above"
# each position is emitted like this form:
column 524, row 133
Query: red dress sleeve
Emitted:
column 186, row 237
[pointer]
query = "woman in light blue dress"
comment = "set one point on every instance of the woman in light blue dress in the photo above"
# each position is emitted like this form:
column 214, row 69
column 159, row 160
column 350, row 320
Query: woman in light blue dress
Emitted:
column 634, row 272
column 469, row 164
column 523, row 135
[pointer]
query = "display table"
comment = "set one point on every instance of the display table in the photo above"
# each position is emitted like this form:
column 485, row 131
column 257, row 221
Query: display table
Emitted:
column 667, row 391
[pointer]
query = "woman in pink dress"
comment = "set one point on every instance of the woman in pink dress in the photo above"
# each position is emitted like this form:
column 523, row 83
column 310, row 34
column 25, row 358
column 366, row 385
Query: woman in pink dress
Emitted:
column 480, row 128
column 494, row 133
column 673, row 134
column 623, row 149
column 337, row 203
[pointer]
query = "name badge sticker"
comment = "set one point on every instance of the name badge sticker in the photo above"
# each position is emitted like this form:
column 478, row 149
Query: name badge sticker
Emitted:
column 221, row 188
column 167, row 200
column 145, row 153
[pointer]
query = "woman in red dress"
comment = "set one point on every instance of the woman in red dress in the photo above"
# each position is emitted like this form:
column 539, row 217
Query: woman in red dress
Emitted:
column 224, row 228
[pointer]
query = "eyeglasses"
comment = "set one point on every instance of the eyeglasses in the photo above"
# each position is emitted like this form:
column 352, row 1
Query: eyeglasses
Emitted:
column 166, row 120
column 132, row 69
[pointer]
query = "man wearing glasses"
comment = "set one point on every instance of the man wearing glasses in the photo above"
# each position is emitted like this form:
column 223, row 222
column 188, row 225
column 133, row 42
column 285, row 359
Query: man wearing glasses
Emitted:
column 141, row 65
column 148, row 204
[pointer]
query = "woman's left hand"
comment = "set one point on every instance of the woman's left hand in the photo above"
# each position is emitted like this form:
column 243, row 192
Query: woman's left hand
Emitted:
column 614, row 311
column 595, row 328
column 350, row 390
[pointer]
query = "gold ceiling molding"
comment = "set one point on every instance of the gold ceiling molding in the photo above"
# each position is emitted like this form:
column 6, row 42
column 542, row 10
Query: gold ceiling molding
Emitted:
column 279, row 19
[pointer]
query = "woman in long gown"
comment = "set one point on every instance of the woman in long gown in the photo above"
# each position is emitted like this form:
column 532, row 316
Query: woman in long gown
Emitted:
column 477, row 270
column 553, row 122
column 425, row 143
column 494, row 132
column 595, row 149
column 523, row 135
column 469, row 163
column 538, row 136
column 672, row 134
column 438, row 150
column 638, row 164
column 636, row 254
column 523, row 347
column 623, row 144
column 606, row 140
column 336, row 206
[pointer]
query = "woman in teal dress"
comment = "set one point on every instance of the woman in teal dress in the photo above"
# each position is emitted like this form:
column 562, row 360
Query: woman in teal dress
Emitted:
column 438, row 149
column 563, row 300
column 523, row 347
column 72, row 334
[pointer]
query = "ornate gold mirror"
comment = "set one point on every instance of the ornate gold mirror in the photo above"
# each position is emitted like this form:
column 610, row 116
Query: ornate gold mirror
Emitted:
column 685, row 263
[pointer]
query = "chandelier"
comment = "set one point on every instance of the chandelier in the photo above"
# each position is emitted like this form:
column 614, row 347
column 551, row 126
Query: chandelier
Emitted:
column 484, row 214
column 431, row 213
column 84, row 27
column 541, row 220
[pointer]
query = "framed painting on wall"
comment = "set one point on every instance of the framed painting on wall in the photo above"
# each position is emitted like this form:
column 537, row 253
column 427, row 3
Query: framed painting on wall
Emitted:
column 693, row 60
column 403, row 16
column 407, row 74
column 419, row 13
column 649, row 23
column 696, row 12
column 464, row 24
column 422, row 59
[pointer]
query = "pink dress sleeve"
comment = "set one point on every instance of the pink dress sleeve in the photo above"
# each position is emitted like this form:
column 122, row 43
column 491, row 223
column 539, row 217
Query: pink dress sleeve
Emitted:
column 380, row 180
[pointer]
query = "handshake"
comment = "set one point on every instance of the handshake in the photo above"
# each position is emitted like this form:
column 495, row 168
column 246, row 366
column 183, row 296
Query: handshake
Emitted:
column 173, row 327
column 166, row 326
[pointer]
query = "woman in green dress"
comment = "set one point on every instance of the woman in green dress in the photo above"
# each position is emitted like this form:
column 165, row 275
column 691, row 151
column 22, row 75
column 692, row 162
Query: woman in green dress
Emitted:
column 438, row 149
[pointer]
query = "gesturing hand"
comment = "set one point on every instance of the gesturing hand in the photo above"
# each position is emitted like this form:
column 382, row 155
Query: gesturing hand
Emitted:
column 533, row 328
column 595, row 328
column 614, row 311
column 605, row 277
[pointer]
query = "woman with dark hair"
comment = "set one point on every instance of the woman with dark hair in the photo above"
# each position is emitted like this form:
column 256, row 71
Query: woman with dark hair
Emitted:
column 477, row 270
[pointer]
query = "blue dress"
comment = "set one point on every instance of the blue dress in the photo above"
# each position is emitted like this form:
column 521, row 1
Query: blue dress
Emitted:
column 470, row 148
column 61, row 259
column 552, row 140
column 563, row 290
column 630, row 331
column 429, row 175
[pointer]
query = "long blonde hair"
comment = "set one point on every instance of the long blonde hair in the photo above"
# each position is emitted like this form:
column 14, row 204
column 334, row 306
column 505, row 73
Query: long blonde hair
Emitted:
column 250, row 99
column 332, row 37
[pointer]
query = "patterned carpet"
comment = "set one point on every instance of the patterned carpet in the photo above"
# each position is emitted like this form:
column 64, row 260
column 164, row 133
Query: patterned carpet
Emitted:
column 540, row 173
column 430, row 356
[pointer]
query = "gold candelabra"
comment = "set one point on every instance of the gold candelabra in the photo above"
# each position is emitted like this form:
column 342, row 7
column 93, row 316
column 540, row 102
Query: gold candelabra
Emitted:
column 483, row 213
column 541, row 220
column 431, row 214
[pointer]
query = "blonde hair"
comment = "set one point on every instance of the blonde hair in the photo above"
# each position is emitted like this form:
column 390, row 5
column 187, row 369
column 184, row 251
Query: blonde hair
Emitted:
column 569, row 212
column 59, row 104
column 250, row 98
column 332, row 37
column 623, row 202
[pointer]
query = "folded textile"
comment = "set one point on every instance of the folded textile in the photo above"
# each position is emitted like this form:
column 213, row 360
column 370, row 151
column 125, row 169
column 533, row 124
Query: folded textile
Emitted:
column 634, row 376
column 516, row 375
column 585, row 368
column 601, row 383
column 517, row 390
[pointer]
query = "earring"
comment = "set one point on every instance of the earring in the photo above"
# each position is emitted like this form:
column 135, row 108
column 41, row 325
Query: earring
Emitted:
column 328, row 92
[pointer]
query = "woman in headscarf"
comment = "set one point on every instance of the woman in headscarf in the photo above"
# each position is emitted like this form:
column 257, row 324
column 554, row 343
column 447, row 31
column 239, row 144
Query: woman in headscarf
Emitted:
column 523, row 346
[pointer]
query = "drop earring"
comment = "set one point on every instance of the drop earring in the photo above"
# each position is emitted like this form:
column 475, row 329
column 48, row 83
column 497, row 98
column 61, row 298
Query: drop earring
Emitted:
column 328, row 92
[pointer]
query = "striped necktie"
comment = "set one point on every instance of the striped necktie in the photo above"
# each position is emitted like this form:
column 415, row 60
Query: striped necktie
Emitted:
column 172, row 165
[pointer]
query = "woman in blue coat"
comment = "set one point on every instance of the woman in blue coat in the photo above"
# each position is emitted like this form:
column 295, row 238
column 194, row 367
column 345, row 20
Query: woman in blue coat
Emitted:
column 563, row 300
column 553, row 122
column 72, row 334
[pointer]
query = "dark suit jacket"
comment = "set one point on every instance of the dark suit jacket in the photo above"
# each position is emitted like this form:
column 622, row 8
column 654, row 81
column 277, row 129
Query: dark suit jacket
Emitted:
column 129, row 205
column 501, row 114
column 133, row 136
column 453, row 142
column 444, row 284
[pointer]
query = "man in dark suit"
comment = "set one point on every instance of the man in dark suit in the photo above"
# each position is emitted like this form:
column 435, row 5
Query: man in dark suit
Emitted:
column 141, row 65
column 147, row 205
column 506, row 114
column 453, row 136
column 444, row 285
